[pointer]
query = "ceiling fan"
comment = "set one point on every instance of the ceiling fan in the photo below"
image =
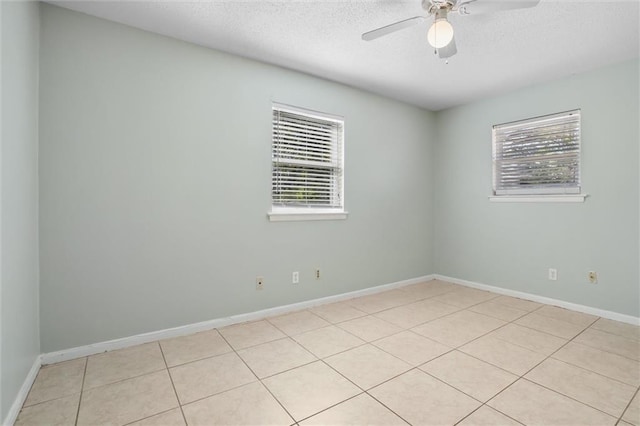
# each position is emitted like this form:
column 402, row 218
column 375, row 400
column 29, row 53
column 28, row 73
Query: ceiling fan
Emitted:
column 440, row 34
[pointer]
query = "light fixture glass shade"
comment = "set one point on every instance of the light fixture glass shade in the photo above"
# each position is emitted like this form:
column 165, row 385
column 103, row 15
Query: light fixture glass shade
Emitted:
column 440, row 34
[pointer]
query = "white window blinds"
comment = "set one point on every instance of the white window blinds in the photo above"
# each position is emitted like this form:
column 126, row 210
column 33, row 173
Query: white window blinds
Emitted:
column 306, row 159
column 537, row 156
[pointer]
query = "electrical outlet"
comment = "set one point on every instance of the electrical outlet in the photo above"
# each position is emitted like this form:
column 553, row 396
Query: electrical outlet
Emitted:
column 593, row 277
column 295, row 277
column 317, row 273
column 553, row 274
column 259, row 283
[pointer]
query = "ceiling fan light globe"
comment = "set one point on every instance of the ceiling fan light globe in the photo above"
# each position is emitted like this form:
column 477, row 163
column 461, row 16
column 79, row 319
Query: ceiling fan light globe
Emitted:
column 440, row 34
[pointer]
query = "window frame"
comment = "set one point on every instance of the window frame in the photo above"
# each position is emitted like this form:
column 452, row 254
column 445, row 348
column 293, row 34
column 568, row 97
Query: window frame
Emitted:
column 279, row 213
column 571, row 192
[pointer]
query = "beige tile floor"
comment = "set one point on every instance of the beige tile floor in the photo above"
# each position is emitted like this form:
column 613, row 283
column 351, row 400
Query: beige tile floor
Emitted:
column 429, row 354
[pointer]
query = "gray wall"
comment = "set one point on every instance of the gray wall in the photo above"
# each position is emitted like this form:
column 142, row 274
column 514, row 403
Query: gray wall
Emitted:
column 19, row 198
column 512, row 245
column 155, row 180
column 155, row 183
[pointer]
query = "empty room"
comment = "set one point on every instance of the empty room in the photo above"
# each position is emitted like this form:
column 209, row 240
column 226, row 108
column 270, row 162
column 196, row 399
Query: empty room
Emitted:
column 298, row 212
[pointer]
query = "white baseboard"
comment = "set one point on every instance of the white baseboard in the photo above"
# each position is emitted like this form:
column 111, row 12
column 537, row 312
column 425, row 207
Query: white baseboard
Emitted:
column 81, row 351
column 95, row 348
column 547, row 300
column 125, row 342
column 12, row 415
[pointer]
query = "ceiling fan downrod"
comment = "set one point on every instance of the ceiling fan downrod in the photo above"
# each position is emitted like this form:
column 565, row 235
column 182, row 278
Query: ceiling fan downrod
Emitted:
column 433, row 6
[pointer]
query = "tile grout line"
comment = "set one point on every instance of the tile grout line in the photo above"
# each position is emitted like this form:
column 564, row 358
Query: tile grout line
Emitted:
column 298, row 312
column 374, row 314
column 127, row 378
column 287, row 370
column 84, row 375
column 256, row 376
column 460, row 390
column 609, row 352
column 364, row 343
column 45, row 367
column 457, row 347
column 290, row 337
column 413, row 367
column 490, row 408
column 459, row 309
column 530, row 350
column 313, row 310
column 404, row 304
column 218, row 393
column 586, row 328
column 148, row 417
column 518, row 377
column 535, row 366
column 52, row 399
column 388, row 408
column 366, row 391
column 550, row 356
column 636, row 339
column 402, row 330
column 593, row 372
column 453, row 349
column 175, row 391
column 206, row 358
column 331, row 406
column 569, row 397
column 422, row 363
column 598, row 349
column 233, row 350
column 337, row 325
column 620, row 419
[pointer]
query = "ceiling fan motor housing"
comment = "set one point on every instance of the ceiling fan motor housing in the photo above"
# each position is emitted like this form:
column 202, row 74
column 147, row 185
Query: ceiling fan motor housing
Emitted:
column 433, row 7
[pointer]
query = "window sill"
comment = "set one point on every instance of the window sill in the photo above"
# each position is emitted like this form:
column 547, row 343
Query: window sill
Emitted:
column 569, row 198
column 303, row 216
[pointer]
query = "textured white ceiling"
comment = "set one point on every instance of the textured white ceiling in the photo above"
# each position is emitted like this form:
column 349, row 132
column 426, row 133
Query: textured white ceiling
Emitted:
column 496, row 53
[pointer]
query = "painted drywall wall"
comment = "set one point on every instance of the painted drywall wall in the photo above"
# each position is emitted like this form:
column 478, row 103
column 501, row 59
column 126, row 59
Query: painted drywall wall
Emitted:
column 512, row 245
column 155, row 185
column 19, row 202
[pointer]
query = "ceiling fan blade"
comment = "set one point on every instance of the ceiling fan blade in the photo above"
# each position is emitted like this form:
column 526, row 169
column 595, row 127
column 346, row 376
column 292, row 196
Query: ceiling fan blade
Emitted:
column 383, row 31
column 449, row 50
column 478, row 7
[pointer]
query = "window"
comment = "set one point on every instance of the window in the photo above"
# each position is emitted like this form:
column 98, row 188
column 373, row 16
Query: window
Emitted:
column 539, row 156
column 307, row 165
